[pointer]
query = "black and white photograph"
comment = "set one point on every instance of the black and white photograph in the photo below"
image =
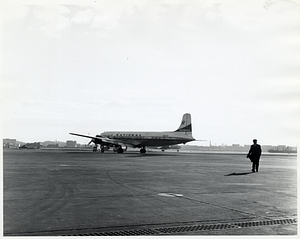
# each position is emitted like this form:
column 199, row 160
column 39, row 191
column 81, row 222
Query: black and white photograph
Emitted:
column 150, row 118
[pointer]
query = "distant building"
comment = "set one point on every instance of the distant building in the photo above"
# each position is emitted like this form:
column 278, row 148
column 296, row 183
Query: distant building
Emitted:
column 46, row 143
column 71, row 144
column 283, row 149
column 52, row 146
column 60, row 144
column 9, row 143
column 35, row 145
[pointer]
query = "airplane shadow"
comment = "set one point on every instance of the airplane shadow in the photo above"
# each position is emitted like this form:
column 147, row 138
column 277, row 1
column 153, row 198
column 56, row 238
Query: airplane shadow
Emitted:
column 134, row 155
column 238, row 174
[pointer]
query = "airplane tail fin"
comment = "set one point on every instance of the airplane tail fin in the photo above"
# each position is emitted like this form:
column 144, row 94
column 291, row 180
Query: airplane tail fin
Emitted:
column 186, row 124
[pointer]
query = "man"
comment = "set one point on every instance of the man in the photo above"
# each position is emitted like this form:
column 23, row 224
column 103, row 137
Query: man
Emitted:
column 254, row 155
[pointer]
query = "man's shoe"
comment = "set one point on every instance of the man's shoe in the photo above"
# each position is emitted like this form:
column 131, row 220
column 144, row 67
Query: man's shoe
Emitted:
column 253, row 170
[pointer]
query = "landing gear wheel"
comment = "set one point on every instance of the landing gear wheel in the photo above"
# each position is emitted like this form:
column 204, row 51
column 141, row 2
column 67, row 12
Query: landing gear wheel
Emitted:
column 142, row 150
column 120, row 150
column 102, row 150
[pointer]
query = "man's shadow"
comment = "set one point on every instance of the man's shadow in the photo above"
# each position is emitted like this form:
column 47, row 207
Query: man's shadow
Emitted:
column 238, row 174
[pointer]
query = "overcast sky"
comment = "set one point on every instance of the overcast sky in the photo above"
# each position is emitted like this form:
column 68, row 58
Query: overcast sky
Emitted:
column 94, row 66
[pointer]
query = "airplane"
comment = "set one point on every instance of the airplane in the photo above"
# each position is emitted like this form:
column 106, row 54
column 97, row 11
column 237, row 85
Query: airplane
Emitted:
column 143, row 139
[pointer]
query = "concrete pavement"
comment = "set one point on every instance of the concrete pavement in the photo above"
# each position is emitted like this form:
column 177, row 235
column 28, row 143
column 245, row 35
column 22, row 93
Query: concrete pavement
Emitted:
column 50, row 193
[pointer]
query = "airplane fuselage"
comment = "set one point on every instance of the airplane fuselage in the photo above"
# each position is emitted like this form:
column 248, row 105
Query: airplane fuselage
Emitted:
column 141, row 139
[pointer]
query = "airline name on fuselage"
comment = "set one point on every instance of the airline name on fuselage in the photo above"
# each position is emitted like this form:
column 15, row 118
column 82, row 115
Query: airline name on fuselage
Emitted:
column 130, row 135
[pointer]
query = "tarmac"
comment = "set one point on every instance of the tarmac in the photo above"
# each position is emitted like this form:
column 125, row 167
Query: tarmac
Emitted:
column 77, row 193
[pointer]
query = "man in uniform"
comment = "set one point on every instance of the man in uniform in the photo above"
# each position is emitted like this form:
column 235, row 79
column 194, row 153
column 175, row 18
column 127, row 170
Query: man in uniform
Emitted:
column 254, row 155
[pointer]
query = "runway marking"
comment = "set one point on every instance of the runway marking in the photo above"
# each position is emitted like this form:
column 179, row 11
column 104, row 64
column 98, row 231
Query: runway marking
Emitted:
column 254, row 184
column 64, row 165
column 170, row 195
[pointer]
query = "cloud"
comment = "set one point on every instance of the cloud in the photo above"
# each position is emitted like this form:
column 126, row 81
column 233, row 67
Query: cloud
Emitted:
column 64, row 10
column 105, row 21
column 12, row 10
column 108, row 16
column 83, row 16
column 51, row 19
column 278, row 5
column 250, row 15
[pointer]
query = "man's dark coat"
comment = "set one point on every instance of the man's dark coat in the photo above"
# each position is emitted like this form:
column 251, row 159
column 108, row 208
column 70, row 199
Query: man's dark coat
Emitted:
column 254, row 152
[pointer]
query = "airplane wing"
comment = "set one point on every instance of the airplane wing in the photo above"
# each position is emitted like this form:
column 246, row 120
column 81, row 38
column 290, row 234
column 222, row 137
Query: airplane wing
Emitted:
column 102, row 140
column 86, row 136
column 118, row 142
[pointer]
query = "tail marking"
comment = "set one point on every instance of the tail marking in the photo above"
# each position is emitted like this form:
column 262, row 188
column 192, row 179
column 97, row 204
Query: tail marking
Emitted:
column 186, row 124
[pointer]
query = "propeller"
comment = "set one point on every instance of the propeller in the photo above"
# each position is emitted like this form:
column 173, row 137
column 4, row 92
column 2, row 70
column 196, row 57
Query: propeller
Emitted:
column 91, row 141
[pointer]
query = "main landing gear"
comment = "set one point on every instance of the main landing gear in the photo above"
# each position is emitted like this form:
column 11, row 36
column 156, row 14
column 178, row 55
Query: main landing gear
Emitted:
column 120, row 150
column 143, row 150
column 95, row 149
